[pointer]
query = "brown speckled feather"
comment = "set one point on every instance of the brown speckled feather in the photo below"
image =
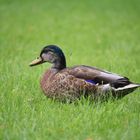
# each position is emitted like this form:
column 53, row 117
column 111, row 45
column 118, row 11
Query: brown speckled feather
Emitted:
column 61, row 85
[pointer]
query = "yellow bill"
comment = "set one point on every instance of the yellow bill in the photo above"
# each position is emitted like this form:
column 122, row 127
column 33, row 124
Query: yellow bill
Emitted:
column 36, row 62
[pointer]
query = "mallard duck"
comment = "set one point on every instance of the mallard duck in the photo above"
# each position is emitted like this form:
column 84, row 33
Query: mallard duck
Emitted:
column 70, row 83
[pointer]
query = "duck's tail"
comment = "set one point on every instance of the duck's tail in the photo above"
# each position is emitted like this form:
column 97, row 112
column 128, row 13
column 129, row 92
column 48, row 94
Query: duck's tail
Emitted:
column 129, row 86
column 118, row 92
column 122, row 91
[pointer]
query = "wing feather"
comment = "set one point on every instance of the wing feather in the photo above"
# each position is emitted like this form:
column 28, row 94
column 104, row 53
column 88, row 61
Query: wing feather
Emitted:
column 93, row 73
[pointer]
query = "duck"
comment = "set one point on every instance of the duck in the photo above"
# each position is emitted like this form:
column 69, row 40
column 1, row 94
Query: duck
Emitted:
column 68, row 84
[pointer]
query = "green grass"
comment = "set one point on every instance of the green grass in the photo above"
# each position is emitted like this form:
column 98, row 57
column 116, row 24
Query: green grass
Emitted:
column 102, row 33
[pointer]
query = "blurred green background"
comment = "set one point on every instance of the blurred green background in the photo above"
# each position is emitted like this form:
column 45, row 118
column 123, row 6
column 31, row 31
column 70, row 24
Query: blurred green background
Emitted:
column 103, row 33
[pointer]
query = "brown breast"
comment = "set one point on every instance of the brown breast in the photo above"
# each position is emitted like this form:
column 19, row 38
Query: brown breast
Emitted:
column 46, row 79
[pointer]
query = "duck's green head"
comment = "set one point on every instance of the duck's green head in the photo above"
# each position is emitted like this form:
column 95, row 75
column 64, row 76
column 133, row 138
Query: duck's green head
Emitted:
column 51, row 54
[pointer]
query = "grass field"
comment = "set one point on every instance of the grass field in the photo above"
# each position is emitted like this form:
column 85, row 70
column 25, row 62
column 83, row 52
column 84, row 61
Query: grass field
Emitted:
column 105, row 34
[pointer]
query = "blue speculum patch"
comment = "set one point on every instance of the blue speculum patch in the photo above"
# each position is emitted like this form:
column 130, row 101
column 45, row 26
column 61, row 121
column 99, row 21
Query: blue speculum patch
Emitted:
column 91, row 81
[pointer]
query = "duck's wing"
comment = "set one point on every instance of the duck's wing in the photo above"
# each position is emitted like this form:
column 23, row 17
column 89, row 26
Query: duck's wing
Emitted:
column 94, row 74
